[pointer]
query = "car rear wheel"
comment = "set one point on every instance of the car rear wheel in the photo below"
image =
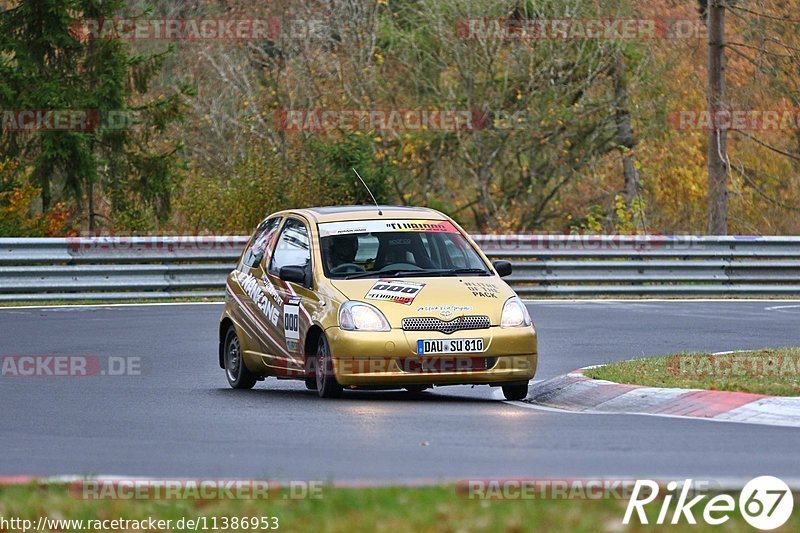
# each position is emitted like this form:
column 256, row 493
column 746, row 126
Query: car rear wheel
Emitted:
column 327, row 386
column 515, row 392
column 239, row 377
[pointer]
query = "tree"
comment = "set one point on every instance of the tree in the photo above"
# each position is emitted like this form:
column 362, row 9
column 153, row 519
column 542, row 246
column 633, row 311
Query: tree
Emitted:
column 36, row 53
column 547, row 103
column 717, row 136
column 48, row 63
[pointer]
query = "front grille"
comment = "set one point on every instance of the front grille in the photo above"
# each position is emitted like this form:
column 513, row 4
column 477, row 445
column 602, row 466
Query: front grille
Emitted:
column 427, row 323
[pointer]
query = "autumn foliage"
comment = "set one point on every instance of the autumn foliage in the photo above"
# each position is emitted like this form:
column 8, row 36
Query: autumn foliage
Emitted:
column 549, row 155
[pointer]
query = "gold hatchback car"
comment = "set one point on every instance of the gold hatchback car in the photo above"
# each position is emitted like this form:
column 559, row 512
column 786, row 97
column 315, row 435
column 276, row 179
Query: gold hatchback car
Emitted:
column 373, row 297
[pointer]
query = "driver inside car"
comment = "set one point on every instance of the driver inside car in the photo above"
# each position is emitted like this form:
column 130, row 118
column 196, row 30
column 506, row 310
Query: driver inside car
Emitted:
column 342, row 251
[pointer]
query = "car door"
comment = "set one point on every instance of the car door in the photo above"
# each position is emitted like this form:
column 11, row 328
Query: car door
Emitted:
column 299, row 301
column 256, row 309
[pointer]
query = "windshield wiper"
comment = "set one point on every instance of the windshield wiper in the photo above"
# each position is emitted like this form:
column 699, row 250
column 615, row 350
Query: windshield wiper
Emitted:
column 418, row 273
column 457, row 271
column 388, row 274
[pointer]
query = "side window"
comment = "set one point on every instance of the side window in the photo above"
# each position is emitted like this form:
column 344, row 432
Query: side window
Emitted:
column 260, row 241
column 292, row 248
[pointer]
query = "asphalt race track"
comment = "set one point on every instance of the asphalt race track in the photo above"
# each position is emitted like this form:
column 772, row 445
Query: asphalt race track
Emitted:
column 180, row 419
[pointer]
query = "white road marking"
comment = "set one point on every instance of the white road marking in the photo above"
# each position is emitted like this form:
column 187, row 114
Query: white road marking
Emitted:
column 780, row 308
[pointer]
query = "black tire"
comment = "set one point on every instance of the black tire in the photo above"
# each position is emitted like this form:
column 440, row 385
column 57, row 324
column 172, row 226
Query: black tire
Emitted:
column 239, row 377
column 327, row 386
column 417, row 388
column 311, row 377
column 515, row 392
column 311, row 383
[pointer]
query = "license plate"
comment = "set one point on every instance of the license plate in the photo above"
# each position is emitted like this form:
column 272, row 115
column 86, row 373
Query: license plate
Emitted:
column 425, row 347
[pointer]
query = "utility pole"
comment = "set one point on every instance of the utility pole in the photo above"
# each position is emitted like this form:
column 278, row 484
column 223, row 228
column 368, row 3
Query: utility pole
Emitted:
column 717, row 137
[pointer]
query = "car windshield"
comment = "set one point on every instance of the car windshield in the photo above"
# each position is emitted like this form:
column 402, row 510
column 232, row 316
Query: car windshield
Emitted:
column 397, row 248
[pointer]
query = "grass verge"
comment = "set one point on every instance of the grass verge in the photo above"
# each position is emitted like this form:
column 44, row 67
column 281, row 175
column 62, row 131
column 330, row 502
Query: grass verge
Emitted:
column 774, row 372
column 395, row 510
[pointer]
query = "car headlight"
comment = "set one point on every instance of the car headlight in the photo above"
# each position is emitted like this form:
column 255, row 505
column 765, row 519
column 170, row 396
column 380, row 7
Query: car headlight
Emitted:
column 359, row 316
column 515, row 314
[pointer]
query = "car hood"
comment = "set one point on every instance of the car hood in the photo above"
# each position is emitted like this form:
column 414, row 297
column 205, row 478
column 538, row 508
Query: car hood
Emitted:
column 446, row 298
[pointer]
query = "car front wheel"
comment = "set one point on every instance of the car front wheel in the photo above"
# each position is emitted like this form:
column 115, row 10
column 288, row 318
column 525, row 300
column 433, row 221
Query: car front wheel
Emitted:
column 516, row 391
column 327, row 386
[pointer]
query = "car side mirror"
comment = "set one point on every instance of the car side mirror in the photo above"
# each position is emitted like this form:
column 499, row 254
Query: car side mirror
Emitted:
column 503, row 268
column 293, row 274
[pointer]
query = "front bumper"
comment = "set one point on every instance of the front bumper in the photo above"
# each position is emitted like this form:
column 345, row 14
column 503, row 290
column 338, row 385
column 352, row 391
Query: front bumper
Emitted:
column 386, row 359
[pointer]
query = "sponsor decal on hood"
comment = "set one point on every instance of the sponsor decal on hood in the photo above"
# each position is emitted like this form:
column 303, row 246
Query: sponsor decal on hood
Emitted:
column 483, row 289
column 395, row 290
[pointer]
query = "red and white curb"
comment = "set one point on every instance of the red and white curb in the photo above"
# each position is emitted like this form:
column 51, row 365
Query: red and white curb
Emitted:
column 577, row 393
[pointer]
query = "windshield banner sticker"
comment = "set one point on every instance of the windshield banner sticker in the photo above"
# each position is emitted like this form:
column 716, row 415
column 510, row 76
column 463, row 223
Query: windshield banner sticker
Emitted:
column 330, row 229
column 398, row 291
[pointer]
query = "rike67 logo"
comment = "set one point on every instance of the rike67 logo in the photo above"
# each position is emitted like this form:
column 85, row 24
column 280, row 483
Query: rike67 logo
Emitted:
column 765, row 502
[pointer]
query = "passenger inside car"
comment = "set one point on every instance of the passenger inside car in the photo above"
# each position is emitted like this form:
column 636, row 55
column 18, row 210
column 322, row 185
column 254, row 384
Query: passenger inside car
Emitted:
column 402, row 249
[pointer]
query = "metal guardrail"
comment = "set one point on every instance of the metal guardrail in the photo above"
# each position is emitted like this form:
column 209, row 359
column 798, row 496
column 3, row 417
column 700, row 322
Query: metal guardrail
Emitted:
column 125, row 268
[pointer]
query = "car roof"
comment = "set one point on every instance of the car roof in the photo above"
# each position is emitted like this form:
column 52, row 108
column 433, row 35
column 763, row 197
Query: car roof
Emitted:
column 341, row 213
